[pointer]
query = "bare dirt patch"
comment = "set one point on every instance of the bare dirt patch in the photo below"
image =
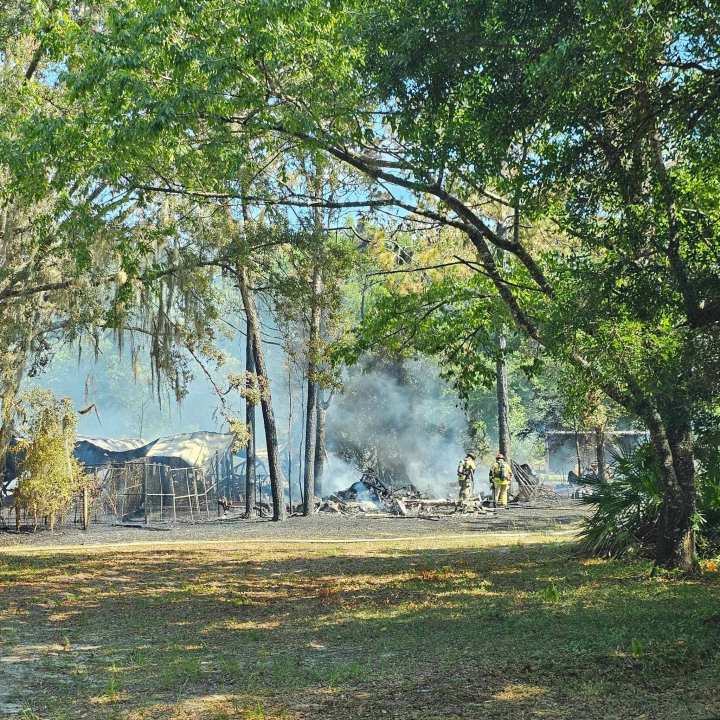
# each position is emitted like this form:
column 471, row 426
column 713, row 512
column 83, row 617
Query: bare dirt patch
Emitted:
column 321, row 527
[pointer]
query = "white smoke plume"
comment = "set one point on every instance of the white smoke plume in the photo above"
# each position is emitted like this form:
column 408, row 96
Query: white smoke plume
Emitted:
column 401, row 421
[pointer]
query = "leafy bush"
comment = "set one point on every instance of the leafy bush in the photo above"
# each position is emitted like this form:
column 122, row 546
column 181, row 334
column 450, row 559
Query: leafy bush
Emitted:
column 708, row 482
column 709, row 511
column 49, row 474
column 627, row 508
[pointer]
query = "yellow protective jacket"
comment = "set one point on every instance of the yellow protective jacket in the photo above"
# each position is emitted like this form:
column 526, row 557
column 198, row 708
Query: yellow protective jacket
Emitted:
column 500, row 473
column 466, row 468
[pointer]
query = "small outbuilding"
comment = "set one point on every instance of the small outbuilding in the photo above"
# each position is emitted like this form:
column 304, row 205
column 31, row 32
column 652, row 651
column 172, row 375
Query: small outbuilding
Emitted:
column 92, row 451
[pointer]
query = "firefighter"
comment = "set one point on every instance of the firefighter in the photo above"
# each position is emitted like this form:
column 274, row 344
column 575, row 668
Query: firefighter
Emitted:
column 500, row 474
column 466, row 480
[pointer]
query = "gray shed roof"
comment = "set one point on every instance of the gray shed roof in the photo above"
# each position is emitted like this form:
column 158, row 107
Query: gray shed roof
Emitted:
column 195, row 449
column 114, row 445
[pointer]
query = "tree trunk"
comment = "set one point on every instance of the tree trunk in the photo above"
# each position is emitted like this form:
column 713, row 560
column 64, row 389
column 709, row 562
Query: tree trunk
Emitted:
column 312, row 395
column 675, row 546
column 577, row 451
column 250, row 422
column 501, row 381
column 310, row 443
column 9, row 394
column 502, row 399
column 600, row 452
column 320, row 451
column 678, row 523
column 277, row 480
column 289, row 436
column 322, row 407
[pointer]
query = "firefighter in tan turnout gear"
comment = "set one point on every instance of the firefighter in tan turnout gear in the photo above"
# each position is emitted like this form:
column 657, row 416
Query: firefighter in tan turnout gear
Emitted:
column 500, row 474
column 466, row 480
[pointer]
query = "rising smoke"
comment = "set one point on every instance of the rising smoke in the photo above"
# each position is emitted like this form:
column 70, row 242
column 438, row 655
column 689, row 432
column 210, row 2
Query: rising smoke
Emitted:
column 400, row 421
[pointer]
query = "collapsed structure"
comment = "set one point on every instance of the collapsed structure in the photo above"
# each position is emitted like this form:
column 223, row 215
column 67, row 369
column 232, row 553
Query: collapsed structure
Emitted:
column 166, row 479
column 371, row 495
column 91, row 451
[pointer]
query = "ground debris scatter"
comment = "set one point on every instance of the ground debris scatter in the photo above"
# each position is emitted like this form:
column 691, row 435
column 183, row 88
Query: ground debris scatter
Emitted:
column 326, row 526
column 371, row 495
column 481, row 626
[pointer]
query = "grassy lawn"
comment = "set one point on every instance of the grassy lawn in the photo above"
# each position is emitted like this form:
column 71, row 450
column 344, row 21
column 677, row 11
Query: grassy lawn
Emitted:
column 446, row 628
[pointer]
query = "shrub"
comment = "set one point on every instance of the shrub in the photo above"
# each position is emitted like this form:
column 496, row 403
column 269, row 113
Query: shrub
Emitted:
column 627, row 507
column 709, row 511
column 49, row 474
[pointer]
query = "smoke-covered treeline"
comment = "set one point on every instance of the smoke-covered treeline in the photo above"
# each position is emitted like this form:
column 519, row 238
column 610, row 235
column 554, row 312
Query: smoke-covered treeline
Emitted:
column 398, row 420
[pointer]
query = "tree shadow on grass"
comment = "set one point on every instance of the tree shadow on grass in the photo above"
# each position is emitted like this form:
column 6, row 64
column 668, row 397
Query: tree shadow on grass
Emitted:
column 527, row 631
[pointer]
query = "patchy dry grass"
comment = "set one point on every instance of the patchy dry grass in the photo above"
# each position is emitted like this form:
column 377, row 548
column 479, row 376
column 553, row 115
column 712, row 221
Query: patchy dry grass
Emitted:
column 445, row 628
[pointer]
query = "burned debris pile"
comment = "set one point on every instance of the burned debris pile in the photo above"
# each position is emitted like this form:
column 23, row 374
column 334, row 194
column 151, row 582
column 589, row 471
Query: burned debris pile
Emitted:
column 371, row 495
